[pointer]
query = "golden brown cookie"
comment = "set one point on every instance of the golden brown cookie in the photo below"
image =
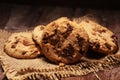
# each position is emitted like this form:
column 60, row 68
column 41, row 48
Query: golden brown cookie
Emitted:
column 37, row 33
column 21, row 45
column 63, row 41
column 101, row 39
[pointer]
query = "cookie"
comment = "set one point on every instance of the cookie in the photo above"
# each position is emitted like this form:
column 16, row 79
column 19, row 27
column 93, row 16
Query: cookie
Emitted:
column 63, row 41
column 101, row 39
column 37, row 33
column 21, row 45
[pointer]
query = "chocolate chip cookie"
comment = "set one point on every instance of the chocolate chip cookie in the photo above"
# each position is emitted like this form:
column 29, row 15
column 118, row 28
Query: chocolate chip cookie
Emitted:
column 63, row 41
column 101, row 39
column 37, row 33
column 21, row 45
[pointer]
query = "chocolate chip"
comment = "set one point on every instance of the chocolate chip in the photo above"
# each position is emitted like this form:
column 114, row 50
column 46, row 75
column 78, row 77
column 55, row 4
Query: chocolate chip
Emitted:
column 69, row 58
column 13, row 46
column 8, row 41
column 59, row 44
column 68, row 51
column 97, row 45
column 108, row 46
column 81, row 51
column 87, row 21
column 65, row 53
column 93, row 33
column 103, row 30
column 16, row 37
column 41, row 28
column 54, row 40
column 94, row 44
column 24, row 52
column 45, row 39
column 114, row 37
column 99, row 30
column 16, row 41
column 69, row 30
column 46, row 35
column 26, row 43
column 80, row 40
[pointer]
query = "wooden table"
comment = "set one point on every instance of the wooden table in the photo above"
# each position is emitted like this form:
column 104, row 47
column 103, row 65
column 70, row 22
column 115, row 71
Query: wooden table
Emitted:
column 15, row 17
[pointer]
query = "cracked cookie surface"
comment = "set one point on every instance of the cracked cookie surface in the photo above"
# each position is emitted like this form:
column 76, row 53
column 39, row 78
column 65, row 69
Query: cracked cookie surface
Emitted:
column 101, row 39
column 63, row 41
column 21, row 45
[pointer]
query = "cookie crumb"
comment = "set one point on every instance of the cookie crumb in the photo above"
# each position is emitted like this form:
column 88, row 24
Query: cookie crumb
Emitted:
column 61, row 64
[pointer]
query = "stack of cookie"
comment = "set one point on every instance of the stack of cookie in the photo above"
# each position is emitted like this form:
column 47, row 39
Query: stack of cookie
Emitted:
column 62, row 41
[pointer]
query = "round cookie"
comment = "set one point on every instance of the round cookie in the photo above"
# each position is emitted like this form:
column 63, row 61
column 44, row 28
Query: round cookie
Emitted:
column 37, row 33
column 63, row 41
column 21, row 45
column 101, row 39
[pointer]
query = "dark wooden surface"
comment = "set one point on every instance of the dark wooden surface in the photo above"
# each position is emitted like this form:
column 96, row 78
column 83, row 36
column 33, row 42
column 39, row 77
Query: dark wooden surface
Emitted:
column 113, row 74
column 18, row 17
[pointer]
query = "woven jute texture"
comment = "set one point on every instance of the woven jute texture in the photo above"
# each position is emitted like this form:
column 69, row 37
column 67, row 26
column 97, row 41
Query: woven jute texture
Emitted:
column 41, row 69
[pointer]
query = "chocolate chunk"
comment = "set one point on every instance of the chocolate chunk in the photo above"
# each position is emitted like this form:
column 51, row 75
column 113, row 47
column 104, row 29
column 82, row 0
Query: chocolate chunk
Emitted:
column 69, row 58
column 87, row 21
column 24, row 52
column 80, row 41
column 54, row 40
column 46, row 35
column 59, row 44
column 13, row 46
column 69, row 30
column 97, row 45
column 68, row 51
column 16, row 41
column 114, row 37
column 26, row 43
column 8, row 41
column 102, row 31
column 108, row 46
column 41, row 28
column 99, row 30
column 16, row 37
column 45, row 39
column 65, row 53
column 81, row 51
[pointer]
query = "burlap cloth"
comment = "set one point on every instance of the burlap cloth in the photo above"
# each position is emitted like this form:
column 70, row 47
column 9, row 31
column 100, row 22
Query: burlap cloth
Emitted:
column 40, row 69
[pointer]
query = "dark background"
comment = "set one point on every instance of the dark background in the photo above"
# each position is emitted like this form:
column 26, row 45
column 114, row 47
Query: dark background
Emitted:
column 98, row 4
